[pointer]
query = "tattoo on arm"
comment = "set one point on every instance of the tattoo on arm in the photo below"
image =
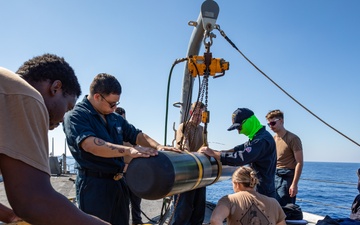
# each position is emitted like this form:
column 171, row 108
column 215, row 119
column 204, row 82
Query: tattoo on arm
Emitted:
column 101, row 142
column 116, row 149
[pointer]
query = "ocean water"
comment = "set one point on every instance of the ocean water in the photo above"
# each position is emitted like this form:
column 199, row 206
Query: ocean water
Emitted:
column 325, row 188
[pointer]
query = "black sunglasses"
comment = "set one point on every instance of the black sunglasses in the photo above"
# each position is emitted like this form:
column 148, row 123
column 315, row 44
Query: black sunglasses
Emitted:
column 272, row 123
column 112, row 105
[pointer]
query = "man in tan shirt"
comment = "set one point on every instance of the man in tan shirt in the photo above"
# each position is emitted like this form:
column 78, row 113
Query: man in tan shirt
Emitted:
column 289, row 159
column 31, row 104
column 190, row 209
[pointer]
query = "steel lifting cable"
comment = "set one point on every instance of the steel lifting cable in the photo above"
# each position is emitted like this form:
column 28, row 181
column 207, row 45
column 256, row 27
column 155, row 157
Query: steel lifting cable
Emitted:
column 285, row 92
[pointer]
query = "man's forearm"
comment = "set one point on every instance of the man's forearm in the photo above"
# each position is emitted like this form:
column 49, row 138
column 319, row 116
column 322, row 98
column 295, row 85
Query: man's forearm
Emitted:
column 101, row 148
column 297, row 173
column 146, row 141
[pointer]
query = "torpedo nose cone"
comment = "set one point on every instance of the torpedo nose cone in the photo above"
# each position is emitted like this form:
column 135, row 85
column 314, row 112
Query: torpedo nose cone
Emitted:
column 151, row 178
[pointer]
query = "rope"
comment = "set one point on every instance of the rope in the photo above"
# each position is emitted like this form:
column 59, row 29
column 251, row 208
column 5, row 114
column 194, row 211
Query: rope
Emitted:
column 173, row 212
column 285, row 92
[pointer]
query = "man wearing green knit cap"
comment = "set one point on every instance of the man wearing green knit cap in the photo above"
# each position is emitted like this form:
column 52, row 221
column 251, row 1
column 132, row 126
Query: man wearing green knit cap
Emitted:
column 259, row 151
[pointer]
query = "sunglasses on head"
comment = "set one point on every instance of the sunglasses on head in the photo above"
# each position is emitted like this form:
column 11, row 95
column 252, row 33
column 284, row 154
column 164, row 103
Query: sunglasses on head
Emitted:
column 272, row 123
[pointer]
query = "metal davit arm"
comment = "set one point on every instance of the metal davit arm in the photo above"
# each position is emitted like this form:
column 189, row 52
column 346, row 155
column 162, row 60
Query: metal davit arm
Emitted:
column 188, row 81
column 205, row 22
column 172, row 173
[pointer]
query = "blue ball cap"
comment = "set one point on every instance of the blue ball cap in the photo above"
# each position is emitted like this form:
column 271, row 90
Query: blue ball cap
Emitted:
column 238, row 116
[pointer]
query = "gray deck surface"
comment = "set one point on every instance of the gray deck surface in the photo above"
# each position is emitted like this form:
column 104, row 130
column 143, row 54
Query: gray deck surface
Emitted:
column 65, row 185
column 151, row 208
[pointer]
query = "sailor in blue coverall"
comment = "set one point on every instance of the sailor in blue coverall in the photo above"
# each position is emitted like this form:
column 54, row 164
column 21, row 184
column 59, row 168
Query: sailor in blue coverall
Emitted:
column 95, row 135
column 259, row 151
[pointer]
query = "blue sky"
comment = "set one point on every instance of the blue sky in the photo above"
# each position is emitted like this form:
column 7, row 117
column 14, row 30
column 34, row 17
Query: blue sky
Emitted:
column 310, row 48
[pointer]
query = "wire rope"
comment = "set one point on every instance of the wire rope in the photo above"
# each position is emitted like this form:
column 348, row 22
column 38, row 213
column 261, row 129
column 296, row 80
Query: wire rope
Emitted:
column 283, row 90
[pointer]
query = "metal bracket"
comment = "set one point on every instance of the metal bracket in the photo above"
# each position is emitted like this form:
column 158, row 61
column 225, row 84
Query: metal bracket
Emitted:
column 209, row 13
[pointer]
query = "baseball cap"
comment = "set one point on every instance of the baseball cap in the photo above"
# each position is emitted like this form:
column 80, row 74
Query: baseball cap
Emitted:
column 238, row 116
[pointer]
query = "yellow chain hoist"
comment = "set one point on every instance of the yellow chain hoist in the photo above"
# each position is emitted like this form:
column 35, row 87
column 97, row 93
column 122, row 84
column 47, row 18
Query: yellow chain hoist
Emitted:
column 197, row 66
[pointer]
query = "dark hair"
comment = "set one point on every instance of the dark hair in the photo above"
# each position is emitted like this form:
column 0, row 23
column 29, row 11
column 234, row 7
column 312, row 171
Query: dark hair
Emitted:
column 197, row 105
column 120, row 110
column 51, row 67
column 106, row 84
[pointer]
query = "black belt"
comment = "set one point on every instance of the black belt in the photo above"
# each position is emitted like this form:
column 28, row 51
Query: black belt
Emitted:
column 114, row 176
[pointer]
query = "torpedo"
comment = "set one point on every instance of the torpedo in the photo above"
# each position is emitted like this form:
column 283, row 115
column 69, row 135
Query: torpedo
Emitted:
column 171, row 173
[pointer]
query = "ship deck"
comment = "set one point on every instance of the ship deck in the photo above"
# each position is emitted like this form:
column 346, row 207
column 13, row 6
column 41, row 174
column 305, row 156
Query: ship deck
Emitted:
column 151, row 208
